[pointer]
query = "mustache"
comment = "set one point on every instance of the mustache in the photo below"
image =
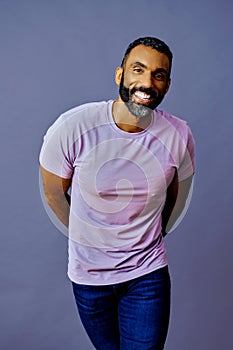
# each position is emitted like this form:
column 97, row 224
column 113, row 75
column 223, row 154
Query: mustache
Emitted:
column 148, row 91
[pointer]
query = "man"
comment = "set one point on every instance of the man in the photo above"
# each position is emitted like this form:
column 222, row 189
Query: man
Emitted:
column 129, row 167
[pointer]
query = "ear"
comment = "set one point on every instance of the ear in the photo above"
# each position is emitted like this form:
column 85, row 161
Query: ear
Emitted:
column 168, row 85
column 118, row 75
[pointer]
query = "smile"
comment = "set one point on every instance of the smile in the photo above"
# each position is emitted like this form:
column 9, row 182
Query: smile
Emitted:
column 141, row 97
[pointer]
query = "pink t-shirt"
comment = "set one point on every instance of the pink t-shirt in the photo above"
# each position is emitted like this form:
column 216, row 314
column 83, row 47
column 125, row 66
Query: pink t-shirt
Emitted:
column 118, row 190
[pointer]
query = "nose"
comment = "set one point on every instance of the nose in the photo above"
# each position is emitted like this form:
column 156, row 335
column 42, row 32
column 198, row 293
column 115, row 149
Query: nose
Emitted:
column 146, row 80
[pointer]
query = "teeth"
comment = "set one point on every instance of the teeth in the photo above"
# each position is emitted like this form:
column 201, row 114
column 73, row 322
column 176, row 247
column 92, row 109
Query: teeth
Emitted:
column 142, row 95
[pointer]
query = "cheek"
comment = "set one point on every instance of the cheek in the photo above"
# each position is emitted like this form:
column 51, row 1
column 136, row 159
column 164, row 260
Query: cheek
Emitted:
column 167, row 87
column 162, row 88
column 128, row 79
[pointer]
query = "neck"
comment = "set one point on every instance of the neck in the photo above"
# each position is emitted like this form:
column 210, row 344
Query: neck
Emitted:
column 126, row 121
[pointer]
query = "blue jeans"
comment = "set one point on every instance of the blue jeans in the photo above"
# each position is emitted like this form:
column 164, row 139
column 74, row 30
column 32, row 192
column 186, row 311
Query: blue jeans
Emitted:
column 132, row 315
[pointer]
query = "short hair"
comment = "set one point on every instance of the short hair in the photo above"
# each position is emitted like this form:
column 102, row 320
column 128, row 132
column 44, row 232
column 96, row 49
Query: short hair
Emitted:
column 152, row 42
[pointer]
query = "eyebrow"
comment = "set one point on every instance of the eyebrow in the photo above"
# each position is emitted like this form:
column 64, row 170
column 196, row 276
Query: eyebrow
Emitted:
column 138, row 64
column 158, row 70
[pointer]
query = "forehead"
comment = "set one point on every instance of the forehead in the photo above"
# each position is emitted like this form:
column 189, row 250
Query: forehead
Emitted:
column 150, row 57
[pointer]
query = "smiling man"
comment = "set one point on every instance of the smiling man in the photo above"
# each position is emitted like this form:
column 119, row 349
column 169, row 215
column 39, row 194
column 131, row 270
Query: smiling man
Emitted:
column 129, row 168
column 147, row 72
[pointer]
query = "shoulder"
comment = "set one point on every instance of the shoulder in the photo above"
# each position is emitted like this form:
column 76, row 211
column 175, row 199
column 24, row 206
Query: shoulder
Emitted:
column 173, row 124
column 80, row 116
column 90, row 108
column 175, row 121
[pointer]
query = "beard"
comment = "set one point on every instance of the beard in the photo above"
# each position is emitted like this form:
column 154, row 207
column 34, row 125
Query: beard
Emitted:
column 139, row 110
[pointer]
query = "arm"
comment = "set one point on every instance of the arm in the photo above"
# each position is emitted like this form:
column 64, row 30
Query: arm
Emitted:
column 177, row 195
column 55, row 190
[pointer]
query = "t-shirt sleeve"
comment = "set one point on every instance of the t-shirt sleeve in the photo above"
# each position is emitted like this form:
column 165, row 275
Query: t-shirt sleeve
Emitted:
column 57, row 153
column 187, row 165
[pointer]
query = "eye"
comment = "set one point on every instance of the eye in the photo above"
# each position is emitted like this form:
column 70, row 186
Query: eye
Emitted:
column 160, row 76
column 137, row 70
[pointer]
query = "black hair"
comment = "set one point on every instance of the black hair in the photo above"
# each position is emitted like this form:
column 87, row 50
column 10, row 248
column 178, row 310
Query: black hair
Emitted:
column 152, row 42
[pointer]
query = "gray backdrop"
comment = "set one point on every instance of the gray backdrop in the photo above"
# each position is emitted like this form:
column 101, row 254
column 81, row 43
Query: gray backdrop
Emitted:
column 59, row 54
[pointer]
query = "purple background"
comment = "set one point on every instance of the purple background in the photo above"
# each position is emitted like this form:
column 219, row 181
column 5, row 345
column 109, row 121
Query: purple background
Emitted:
column 59, row 54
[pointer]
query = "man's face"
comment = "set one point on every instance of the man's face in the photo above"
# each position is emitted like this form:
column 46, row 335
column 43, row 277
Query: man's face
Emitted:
column 144, row 80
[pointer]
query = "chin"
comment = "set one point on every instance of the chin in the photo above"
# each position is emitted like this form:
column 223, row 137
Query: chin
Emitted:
column 138, row 111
